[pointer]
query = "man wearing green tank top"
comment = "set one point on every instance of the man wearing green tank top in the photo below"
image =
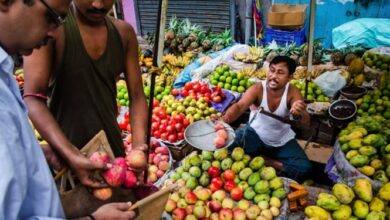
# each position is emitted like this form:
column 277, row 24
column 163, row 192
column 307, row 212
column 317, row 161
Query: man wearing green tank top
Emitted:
column 77, row 70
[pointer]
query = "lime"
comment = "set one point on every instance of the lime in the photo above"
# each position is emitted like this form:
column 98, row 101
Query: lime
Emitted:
column 380, row 109
column 387, row 114
column 240, row 76
column 371, row 111
column 211, row 78
column 222, row 78
column 214, row 82
column 364, row 106
column 321, row 98
column 233, row 74
column 159, row 89
column 241, row 89
column 359, row 101
column 229, row 79
column 227, row 86
column 360, row 111
column 310, row 98
column 242, row 82
column 219, row 70
column 120, row 95
column 249, row 84
column 226, row 68
column 379, row 102
column 159, row 97
column 235, row 82
column 216, row 76
column 233, row 88
column 122, row 102
column 126, row 96
column 220, row 84
column 318, row 92
column 226, row 74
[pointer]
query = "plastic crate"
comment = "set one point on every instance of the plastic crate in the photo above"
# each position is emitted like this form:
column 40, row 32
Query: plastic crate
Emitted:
column 283, row 36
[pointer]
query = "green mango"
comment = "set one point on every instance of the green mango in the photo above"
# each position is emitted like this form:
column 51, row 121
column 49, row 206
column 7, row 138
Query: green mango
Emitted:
column 380, row 176
column 343, row 193
column 345, row 147
column 359, row 160
column 343, row 213
column 376, row 215
column 343, row 139
column 384, row 192
column 370, row 139
column 366, row 170
column 355, row 143
column 316, row 212
column 367, row 150
column 351, row 154
column 253, row 178
column 328, row 201
column 363, row 189
column 376, row 164
column 360, row 209
column 376, row 204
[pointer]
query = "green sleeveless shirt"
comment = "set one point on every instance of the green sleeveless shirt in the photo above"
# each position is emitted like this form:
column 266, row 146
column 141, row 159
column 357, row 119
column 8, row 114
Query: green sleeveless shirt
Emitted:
column 83, row 95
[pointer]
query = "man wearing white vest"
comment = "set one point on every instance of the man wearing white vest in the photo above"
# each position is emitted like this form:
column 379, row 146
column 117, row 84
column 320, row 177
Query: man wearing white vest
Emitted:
column 268, row 136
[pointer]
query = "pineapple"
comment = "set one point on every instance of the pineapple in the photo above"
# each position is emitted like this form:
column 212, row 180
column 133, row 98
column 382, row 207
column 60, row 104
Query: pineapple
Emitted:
column 173, row 24
column 337, row 58
column 348, row 58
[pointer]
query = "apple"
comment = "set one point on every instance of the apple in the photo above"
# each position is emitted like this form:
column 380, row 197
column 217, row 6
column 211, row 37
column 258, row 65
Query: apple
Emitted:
column 183, row 191
column 228, row 203
column 190, row 198
column 199, row 212
column 219, row 195
column 267, row 214
column 275, row 202
column 263, row 205
column 190, row 209
column 218, row 181
column 160, row 173
column 214, row 216
column 236, row 193
column 162, row 150
column 229, row 185
column 191, row 217
column 163, row 165
column 202, row 194
column 103, row 193
column 243, row 204
column 181, row 203
column 252, row 212
column 100, row 157
column 174, row 196
column 170, row 205
column 152, row 169
column 275, row 211
column 179, row 214
column 239, row 214
column 225, row 214
column 215, row 205
column 213, row 171
column 228, row 175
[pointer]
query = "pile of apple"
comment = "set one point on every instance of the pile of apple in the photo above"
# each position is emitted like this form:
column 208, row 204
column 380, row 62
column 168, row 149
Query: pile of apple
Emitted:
column 122, row 96
column 158, row 161
column 118, row 174
column 220, row 136
column 168, row 127
column 193, row 109
column 214, row 185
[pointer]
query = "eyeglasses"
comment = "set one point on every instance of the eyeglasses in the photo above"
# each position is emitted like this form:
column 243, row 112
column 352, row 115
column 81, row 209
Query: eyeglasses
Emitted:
column 54, row 16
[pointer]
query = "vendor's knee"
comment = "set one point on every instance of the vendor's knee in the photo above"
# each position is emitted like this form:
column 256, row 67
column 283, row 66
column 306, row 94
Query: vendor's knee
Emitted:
column 299, row 170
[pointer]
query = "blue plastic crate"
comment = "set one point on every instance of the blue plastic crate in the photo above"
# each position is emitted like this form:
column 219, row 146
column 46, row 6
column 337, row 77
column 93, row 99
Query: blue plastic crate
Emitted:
column 283, row 36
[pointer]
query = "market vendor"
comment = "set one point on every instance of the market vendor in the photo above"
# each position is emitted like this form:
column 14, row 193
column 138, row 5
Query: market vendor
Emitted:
column 79, row 68
column 266, row 135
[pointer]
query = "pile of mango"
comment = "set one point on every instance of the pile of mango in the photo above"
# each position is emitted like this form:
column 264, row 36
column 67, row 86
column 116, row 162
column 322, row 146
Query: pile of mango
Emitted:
column 375, row 102
column 358, row 202
column 365, row 144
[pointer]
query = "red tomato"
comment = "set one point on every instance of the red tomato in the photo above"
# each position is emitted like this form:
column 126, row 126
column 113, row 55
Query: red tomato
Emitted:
column 180, row 136
column 155, row 118
column 155, row 110
column 178, row 127
column 162, row 114
column 172, row 138
column 197, row 88
column 236, row 193
column 213, row 171
column 175, row 92
column 164, row 136
column 155, row 103
column 214, row 187
column 170, row 129
column 157, row 134
column 178, row 118
column 188, row 86
column 186, row 122
column 123, row 125
column 218, row 181
column 217, row 99
column 155, row 126
column 206, row 99
column 162, row 128
column 229, row 185
column 228, row 175
column 126, row 115
column 204, row 89
column 184, row 93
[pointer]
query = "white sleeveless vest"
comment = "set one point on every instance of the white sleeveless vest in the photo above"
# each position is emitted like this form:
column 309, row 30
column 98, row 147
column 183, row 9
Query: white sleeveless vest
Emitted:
column 272, row 131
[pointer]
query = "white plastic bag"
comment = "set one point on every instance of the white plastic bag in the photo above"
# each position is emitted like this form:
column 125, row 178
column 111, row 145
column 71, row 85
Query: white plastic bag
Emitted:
column 330, row 82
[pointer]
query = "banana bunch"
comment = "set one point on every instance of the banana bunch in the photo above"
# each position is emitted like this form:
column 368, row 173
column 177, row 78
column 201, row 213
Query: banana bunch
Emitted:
column 254, row 56
column 260, row 73
column 256, row 51
column 247, row 71
column 145, row 61
column 300, row 73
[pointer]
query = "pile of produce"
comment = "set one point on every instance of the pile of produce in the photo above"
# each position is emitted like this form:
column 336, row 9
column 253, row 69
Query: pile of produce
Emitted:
column 173, row 65
column 313, row 92
column 358, row 202
column 356, row 70
column 344, row 56
column 159, row 162
column 364, row 143
column 182, row 36
column 254, row 55
column 122, row 95
column 19, row 77
column 199, row 90
column 217, row 185
column 375, row 102
column 380, row 62
column 145, row 58
column 124, row 124
column 230, row 80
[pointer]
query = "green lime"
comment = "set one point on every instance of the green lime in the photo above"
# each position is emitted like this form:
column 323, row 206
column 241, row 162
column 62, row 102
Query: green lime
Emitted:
column 226, row 68
column 120, row 95
column 242, row 82
column 364, row 106
column 228, row 80
column 126, row 96
column 227, row 86
column 233, row 88
column 360, row 111
column 222, row 78
column 235, row 82
column 371, row 111
column 233, row 74
column 379, row 102
column 318, row 92
column 220, row 84
column 240, row 76
column 216, row 76
column 214, row 82
column 122, row 102
column 159, row 97
column 240, row 89
column 226, row 74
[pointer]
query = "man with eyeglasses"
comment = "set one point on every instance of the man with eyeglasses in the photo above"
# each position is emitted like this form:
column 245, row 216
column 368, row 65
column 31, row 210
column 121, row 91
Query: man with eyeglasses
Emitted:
column 78, row 70
column 27, row 189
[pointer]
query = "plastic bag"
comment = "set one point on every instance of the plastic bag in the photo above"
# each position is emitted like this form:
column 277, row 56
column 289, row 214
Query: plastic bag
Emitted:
column 340, row 170
column 367, row 32
column 330, row 82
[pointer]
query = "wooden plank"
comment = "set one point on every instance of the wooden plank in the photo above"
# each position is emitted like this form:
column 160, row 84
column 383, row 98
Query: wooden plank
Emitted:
column 317, row 152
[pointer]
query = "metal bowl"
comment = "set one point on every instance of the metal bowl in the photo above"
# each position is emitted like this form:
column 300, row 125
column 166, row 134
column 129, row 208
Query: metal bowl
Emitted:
column 342, row 112
column 201, row 134
column 353, row 92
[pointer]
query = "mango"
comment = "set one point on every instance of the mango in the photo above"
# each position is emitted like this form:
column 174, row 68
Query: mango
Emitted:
column 376, row 204
column 360, row 209
column 360, row 129
column 376, row 215
column 388, row 171
column 359, row 160
column 355, row 135
column 376, row 164
column 384, row 192
column 363, row 189
column 367, row 170
column 353, row 218
column 317, row 213
column 370, row 139
column 355, row 143
column 351, row 154
column 345, row 147
column 367, row 150
column 328, row 201
column 343, row 213
column 387, row 149
column 380, row 176
column 343, row 139
column 343, row 193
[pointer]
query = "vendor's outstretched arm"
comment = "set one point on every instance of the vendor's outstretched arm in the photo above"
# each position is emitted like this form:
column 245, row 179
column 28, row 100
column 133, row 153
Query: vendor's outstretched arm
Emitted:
column 237, row 109
column 138, row 105
column 37, row 69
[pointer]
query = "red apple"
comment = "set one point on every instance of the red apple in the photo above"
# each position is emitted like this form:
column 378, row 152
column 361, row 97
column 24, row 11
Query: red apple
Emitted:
column 236, row 193
column 213, row 171
column 190, row 198
column 225, row 214
column 239, row 214
column 228, row 175
column 170, row 205
column 219, row 195
column 215, row 205
column 179, row 214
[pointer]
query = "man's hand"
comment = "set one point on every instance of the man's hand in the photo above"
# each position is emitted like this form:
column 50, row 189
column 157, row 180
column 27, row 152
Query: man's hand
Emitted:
column 117, row 211
column 139, row 172
column 298, row 108
column 52, row 157
column 85, row 169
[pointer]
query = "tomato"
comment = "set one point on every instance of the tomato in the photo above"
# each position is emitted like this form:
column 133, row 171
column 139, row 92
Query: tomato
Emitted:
column 172, row 138
column 155, row 126
column 217, row 99
column 164, row 136
column 170, row 129
column 186, row 122
column 175, row 92
column 217, row 180
column 157, row 134
column 180, row 136
column 162, row 114
column 236, row 193
column 204, row 89
column 126, row 115
column 197, row 88
column 162, row 128
column 188, row 86
column 214, row 187
column 228, row 175
column 178, row 127
column 155, row 110
column 164, row 122
column 184, row 93
column 178, row 118
column 155, row 103
column 123, row 125
column 155, row 118
column 213, row 171
column 206, row 99
column 229, row 185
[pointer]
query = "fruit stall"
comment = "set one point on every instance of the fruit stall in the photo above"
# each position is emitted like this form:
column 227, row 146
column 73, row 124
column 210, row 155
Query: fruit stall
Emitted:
column 202, row 73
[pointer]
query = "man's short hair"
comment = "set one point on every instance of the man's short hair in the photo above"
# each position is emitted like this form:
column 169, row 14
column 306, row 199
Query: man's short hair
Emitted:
column 291, row 64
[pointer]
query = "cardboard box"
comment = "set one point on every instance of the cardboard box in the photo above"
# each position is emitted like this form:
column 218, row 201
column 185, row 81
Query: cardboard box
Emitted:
column 287, row 16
